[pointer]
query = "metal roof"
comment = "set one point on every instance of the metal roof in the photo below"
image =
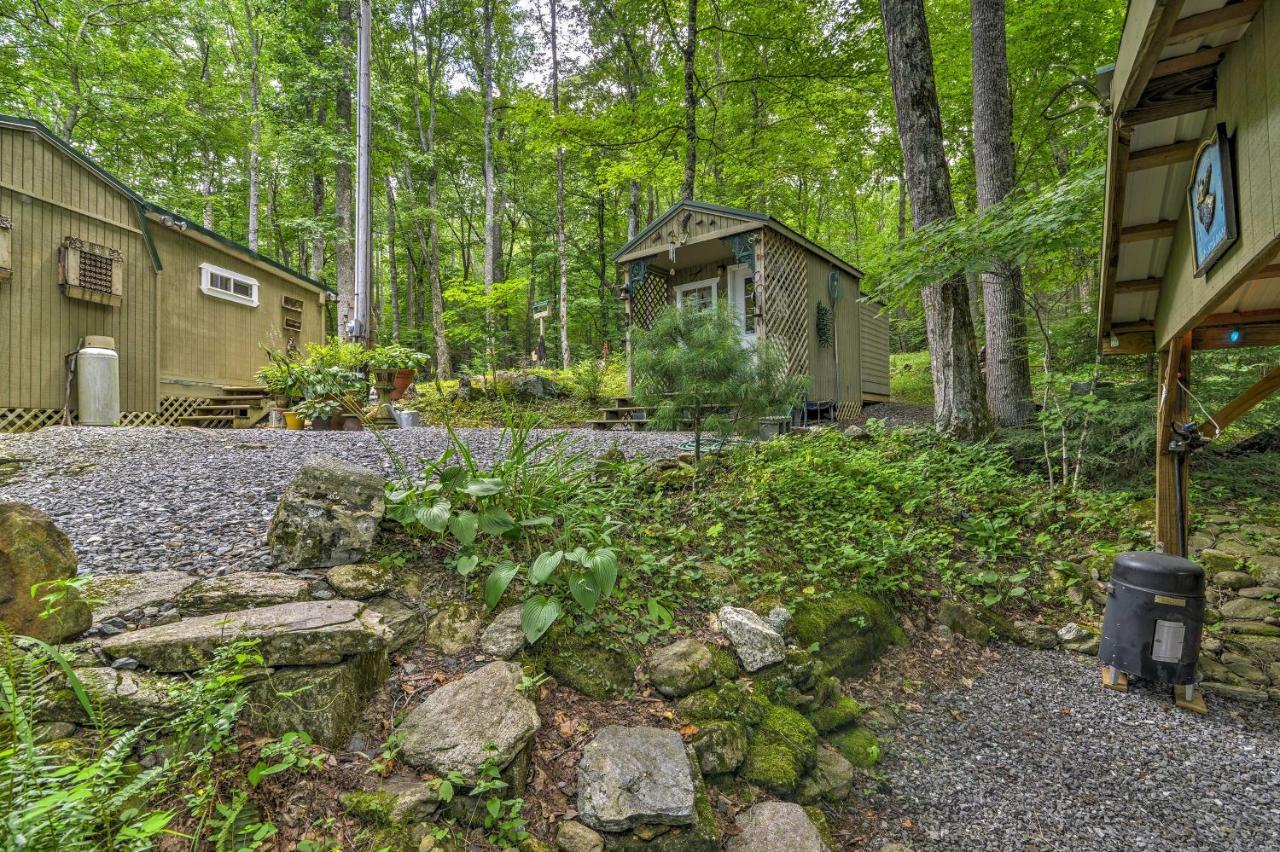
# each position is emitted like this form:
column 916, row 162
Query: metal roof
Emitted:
column 145, row 206
column 1147, row 183
column 751, row 215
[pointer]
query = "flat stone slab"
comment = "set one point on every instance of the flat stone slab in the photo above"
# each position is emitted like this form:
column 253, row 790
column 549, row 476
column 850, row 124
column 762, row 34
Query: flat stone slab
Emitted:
column 112, row 595
column 306, row 633
column 758, row 644
column 242, row 591
column 503, row 638
column 776, row 827
column 451, row 729
column 633, row 776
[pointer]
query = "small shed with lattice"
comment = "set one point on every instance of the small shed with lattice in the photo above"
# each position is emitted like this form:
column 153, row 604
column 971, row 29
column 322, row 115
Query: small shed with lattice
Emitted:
column 784, row 287
column 189, row 311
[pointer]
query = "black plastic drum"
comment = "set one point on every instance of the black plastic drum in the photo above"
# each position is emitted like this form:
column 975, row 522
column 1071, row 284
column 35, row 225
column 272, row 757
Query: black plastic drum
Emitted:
column 1154, row 617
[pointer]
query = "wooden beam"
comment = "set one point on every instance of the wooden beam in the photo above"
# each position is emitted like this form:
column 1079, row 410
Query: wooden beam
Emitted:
column 1164, row 16
column 1150, row 231
column 1242, row 404
column 1175, row 95
column 1272, row 271
column 1219, row 337
column 1202, row 58
column 1164, row 155
column 1241, row 319
column 1195, row 26
column 1138, row 285
column 1138, row 343
column 1117, row 154
column 1133, row 327
column 1171, row 480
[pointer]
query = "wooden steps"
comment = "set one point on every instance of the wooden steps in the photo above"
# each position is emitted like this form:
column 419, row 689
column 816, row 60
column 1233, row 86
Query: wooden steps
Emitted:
column 622, row 416
column 238, row 407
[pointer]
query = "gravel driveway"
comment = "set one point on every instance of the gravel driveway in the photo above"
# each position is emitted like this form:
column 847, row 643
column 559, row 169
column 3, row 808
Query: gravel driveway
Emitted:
column 199, row 500
column 1037, row 756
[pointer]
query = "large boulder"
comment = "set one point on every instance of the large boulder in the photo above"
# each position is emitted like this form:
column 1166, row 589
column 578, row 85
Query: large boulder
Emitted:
column 682, row 667
column 453, row 729
column 776, row 827
column 295, row 634
column 33, row 551
column 756, row 642
column 328, row 515
column 242, row 591
column 850, row 629
column 634, row 776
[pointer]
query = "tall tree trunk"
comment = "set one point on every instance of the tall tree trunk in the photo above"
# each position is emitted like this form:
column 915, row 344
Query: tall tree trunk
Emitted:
column 317, row 211
column 490, row 224
column 633, row 210
column 391, row 262
column 255, row 125
column 689, row 51
column 344, row 255
column 562, row 256
column 1008, row 371
column 959, row 405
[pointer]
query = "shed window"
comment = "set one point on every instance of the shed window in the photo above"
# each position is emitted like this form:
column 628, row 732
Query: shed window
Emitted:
column 91, row 272
column 225, row 284
column 6, row 250
column 697, row 295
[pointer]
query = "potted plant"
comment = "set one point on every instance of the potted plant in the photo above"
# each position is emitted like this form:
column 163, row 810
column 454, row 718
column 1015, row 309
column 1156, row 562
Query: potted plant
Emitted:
column 385, row 363
column 319, row 411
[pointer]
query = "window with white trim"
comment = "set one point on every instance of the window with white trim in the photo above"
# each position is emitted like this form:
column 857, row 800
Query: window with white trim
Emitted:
column 697, row 295
column 225, row 284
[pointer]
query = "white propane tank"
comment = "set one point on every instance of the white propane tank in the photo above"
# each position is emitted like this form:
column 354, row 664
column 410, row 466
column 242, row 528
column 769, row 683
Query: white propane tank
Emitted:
column 98, row 382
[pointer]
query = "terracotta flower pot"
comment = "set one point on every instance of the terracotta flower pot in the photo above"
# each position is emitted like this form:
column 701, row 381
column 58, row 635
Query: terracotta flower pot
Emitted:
column 403, row 381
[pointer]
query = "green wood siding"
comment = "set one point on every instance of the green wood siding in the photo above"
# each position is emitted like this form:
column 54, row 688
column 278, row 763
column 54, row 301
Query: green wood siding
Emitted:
column 822, row 368
column 1249, row 104
column 50, row 197
column 209, row 342
column 875, row 349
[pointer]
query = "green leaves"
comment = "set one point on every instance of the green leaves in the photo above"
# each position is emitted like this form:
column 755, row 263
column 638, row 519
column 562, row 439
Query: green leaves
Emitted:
column 537, row 615
column 434, row 517
column 463, row 526
column 544, row 566
column 466, row 563
column 497, row 583
column 495, row 520
column 484, row 487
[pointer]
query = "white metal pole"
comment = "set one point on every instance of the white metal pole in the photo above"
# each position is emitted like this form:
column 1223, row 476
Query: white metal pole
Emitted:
column 364, row 209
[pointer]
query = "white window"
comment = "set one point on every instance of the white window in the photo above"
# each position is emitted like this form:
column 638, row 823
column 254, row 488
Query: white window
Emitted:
column 697, row 295
column 225, row 284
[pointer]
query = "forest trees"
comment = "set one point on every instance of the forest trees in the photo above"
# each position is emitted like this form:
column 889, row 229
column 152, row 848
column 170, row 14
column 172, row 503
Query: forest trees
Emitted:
column 774, row 105
column 959, row 397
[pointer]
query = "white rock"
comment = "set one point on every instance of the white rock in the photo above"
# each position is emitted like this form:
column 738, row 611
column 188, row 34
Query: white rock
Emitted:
column 630, row 776
column 776, row 827
column 757, row 644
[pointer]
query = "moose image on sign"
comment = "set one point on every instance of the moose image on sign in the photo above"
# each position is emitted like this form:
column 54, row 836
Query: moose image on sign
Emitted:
column 1211, row 200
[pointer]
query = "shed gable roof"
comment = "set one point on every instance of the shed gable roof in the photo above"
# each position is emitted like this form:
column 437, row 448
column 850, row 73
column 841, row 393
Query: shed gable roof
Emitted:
column 733, row 216
column 145, row 207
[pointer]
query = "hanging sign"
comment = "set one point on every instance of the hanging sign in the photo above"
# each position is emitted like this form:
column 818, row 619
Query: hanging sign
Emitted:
column 1211, row 202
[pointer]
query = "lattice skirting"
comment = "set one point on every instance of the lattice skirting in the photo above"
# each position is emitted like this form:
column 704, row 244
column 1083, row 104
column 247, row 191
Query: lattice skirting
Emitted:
column 31, row 419
column 848, row 410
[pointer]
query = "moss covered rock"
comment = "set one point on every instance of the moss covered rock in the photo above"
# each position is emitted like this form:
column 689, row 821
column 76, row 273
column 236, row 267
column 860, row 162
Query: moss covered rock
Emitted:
column 720, row 746
column 839, row 712
column 781, row 751
column 702, row 836
column 682, row 667
column 325, row 701
column 851, row 630
column 593, row 671
column 33, row 552
column 799, row 681
column 858, row 744
column 732, row 701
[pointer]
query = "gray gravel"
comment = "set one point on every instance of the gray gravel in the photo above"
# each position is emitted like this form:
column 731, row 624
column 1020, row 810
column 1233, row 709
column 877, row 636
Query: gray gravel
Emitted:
column 1042, row 757
column 197, row 500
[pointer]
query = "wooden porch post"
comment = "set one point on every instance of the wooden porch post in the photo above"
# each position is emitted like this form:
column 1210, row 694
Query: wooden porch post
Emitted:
column 1171, row 485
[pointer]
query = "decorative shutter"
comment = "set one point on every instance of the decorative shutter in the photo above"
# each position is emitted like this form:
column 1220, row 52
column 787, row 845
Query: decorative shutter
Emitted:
column 6, row 247
column 91, row 272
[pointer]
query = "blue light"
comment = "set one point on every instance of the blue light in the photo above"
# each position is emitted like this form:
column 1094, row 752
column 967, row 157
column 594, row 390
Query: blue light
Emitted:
column 1234, row 336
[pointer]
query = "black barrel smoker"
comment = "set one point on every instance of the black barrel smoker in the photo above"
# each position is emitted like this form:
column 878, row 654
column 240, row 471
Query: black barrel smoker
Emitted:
column 1153, row 620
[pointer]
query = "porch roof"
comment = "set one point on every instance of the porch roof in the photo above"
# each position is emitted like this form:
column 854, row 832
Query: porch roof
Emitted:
column 751, row 220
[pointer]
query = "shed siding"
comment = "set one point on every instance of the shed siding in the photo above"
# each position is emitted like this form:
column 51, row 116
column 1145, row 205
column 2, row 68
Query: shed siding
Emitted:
column 38, row 323
column 207, row 342
column 875, row 349
column 1249, row 105
column 822, row 366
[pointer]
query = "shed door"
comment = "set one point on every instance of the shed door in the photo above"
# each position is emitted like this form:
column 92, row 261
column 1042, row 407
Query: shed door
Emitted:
column 742, row 296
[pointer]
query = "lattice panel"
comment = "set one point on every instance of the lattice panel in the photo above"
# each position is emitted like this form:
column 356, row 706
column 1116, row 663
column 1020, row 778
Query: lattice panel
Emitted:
column 28, row 419
column 31, row 419
column 782, row 276
column 848, row 410
column 649, row 299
